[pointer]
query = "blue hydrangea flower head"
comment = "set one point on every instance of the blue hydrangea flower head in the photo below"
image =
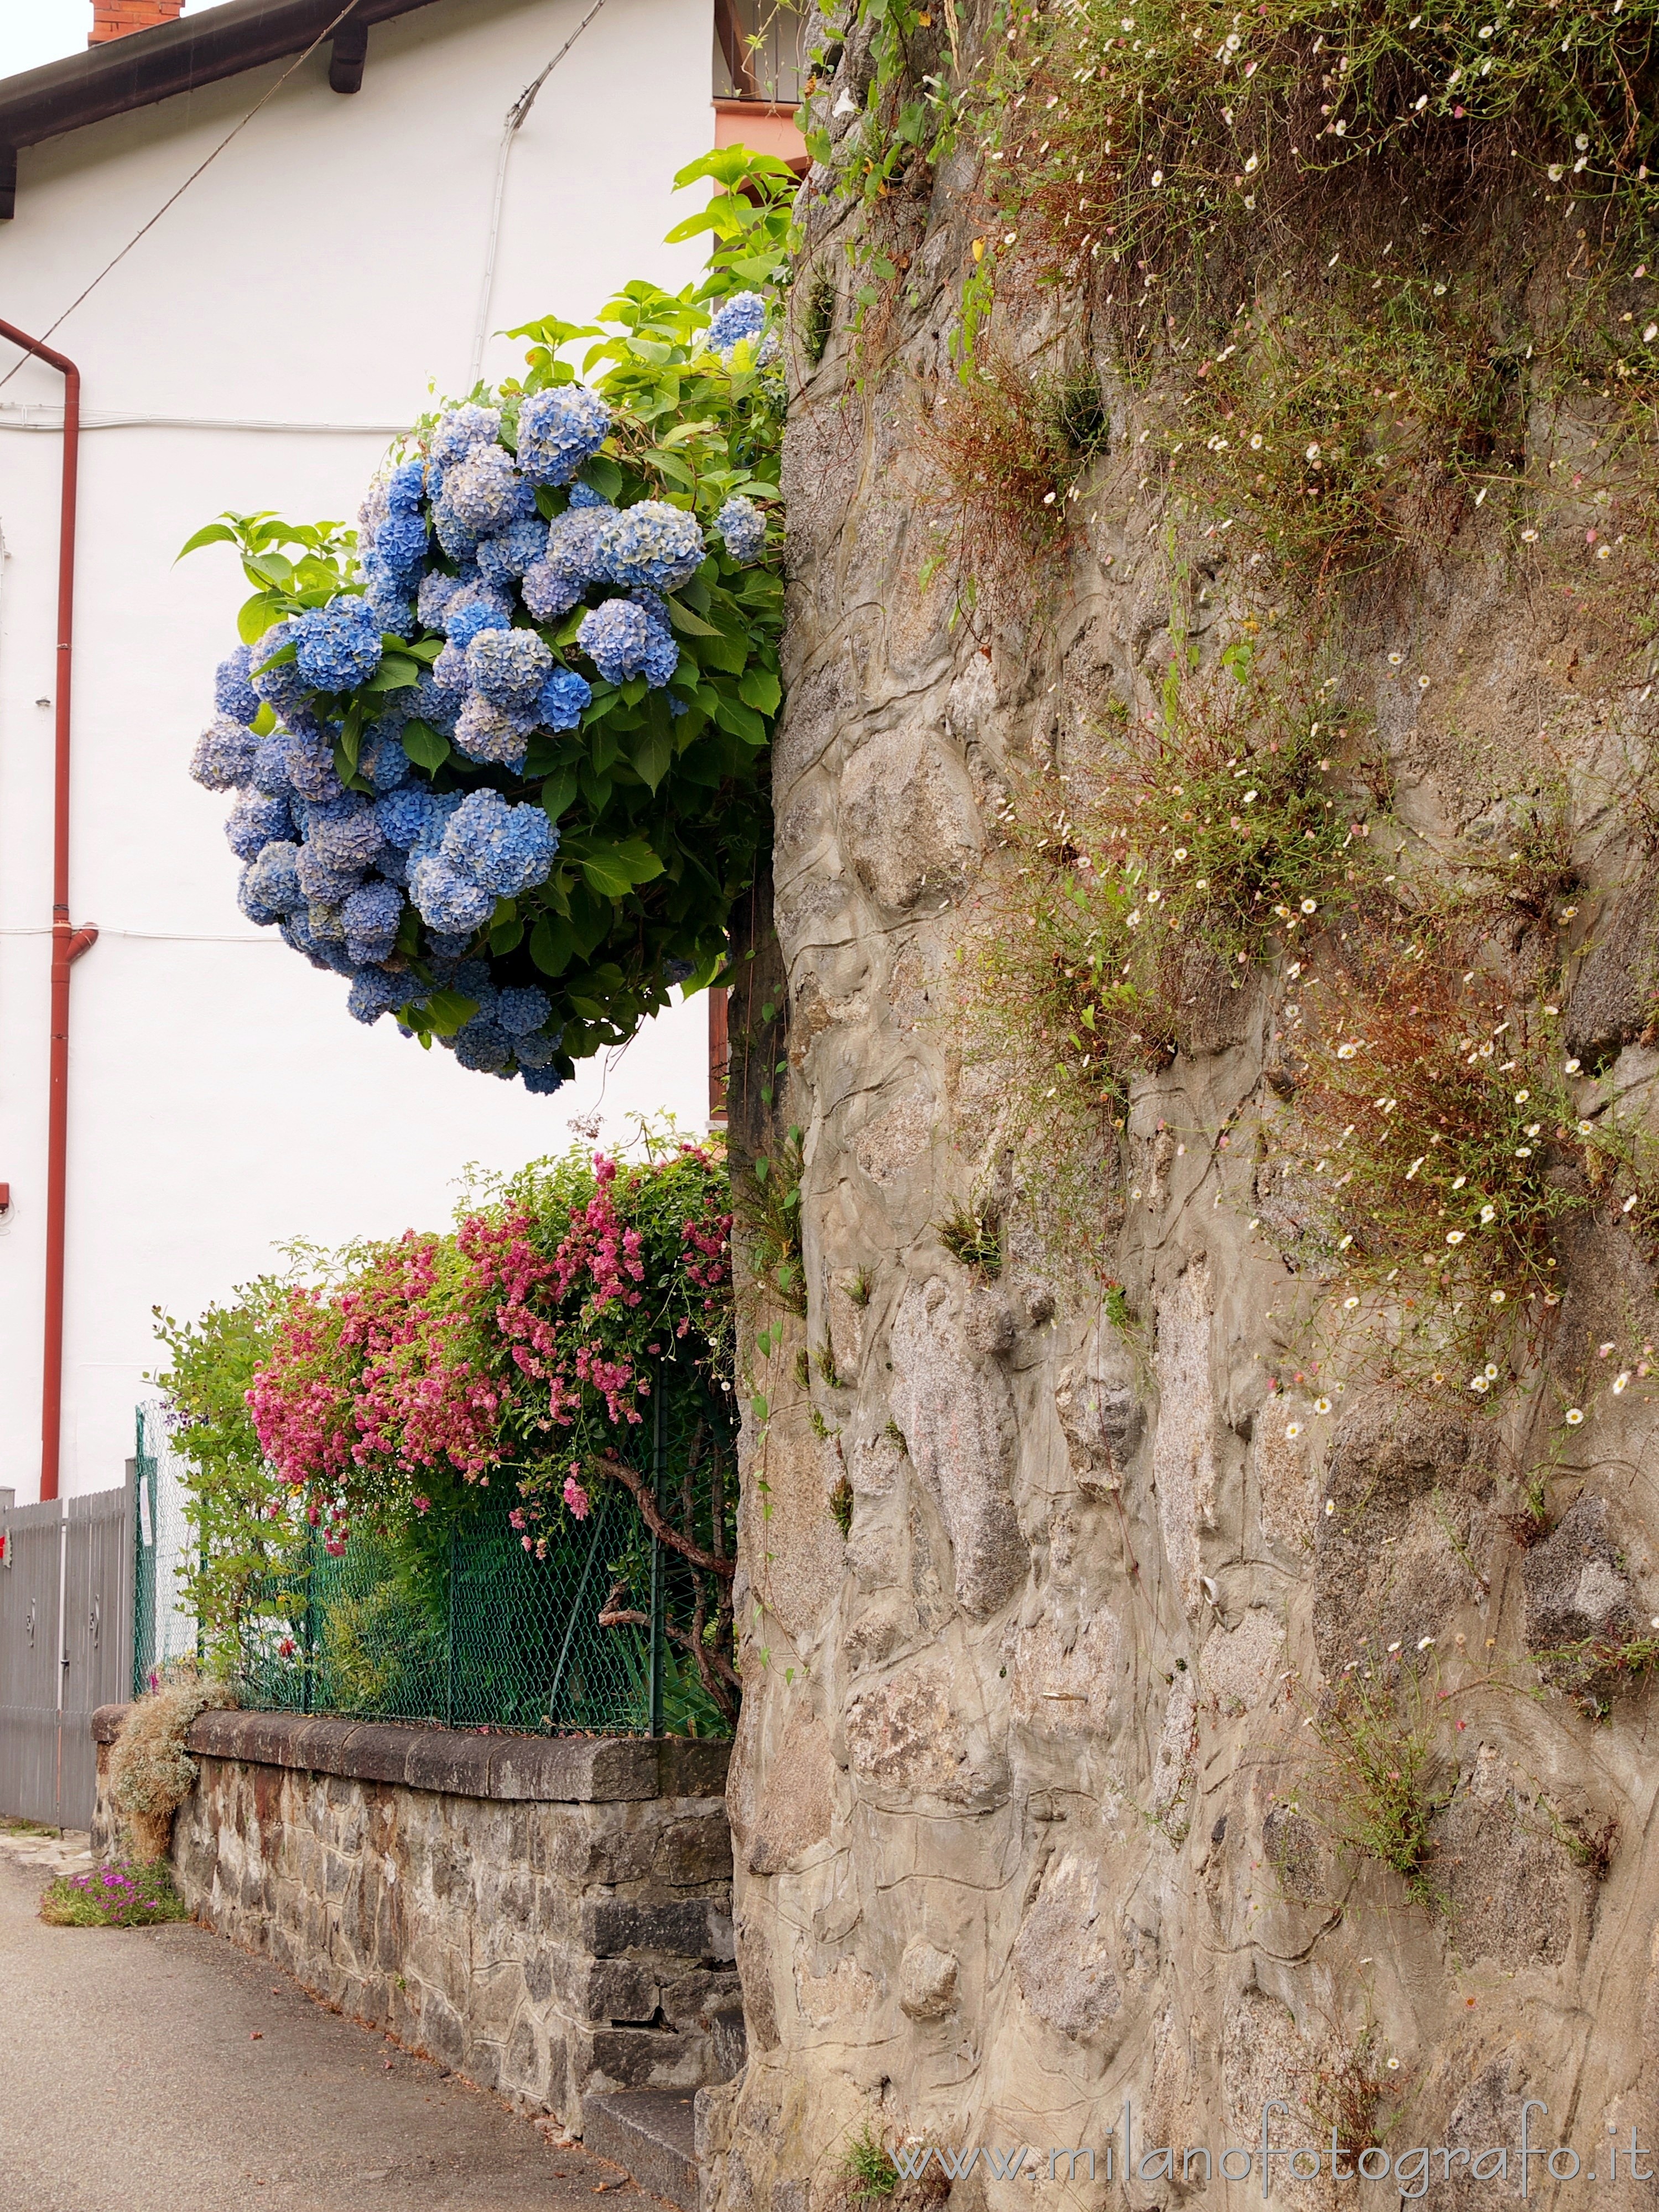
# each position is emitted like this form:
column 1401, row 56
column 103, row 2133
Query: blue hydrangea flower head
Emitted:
column 483, row 1047
column 252, row 905
column 273, row 877
column 576, row 541
column 486, row 733
column 324, row 882
column 485, row 492
column 404, row 814
column 389, row 603
column 507, row 556
column 282, row 687
column 347, row 833
column 550, row 589
column 472, row 980
column 447, row 946
column 448, row 678
column 371, row 916
column 615, row 636
column 583, row 494
column 400, row 542
column 233, row 694
column 508, row 667
column 405, row 488
column 741, row 527
column 374, row 993
column 225, row 755
column 538, row 1048
column 460, row 429
column 521, row 1008
column 559, row 429
column 662, row 657
column 339, row 645
column 742, row 316
column 542, row 1080
column 503, row 848
column 441, row 811
column 564, row 700
column 475, row 607
column 270, row 770
column 309, row 765
column 382, row 756
column 447, row 901
column 254, row 822
column 435, row 592
column 654, row 545
column 457, row 537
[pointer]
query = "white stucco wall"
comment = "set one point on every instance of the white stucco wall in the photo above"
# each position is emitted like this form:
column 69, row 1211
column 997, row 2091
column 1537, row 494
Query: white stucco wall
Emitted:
column 322, row 270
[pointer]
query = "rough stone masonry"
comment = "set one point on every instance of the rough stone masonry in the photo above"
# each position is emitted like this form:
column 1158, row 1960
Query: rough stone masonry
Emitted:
column 549, row 1919
column 1015, row 1797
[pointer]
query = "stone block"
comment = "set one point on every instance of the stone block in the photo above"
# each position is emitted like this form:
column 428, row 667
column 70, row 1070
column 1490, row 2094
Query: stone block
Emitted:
column 440, row 1760
column 375, row 1753
column 641, row 2058
column 696, row 1849
column 619, row 1991
column 686, row 1928
column 573, row 1769
column 687, row 1769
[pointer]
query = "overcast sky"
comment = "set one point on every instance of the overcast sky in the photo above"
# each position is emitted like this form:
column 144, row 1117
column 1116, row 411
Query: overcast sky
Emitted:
column 36, row 31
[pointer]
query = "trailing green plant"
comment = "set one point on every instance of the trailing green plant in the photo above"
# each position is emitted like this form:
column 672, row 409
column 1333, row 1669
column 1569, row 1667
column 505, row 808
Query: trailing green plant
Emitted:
column 1594, row 1669
column 501, row 752
column 120, row 1893
column 1165, row 870
column 1349, row 2089
column 1374, row 264
column 973, row 1235
column 869, row 2168
column 842, row 1502
column 1441, row 1130
column 910, row 115
column 769, row 1203
column 1376, row 1727
column 1013, row 447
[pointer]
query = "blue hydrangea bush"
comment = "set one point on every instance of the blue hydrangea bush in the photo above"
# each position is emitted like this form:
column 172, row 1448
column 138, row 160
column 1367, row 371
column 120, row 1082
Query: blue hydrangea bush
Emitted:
column 499, row 753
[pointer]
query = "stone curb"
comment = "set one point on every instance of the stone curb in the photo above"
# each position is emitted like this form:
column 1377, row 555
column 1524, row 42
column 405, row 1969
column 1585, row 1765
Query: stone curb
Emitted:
column 546, row 1770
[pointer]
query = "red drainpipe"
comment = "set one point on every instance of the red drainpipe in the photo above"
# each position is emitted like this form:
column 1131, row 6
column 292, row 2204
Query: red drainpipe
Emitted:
column 67, row 943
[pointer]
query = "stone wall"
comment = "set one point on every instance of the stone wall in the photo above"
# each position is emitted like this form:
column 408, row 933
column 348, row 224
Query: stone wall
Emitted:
column 549, row 1919
column 1021, row 1797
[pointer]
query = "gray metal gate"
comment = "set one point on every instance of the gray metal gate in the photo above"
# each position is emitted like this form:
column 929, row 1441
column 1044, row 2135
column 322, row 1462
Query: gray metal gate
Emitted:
column 66, row 1592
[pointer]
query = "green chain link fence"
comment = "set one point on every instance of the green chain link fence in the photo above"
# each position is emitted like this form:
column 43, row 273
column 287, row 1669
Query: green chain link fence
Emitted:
column 593, row 1637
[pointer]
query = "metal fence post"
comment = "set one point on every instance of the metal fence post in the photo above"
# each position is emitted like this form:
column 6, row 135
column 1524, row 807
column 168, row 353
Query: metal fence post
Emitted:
column 659, row 1592
column 308, row 1630
column 449, row 1636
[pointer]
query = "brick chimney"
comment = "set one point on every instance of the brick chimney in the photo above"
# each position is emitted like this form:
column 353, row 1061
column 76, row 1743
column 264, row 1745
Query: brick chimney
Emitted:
column 114, row 19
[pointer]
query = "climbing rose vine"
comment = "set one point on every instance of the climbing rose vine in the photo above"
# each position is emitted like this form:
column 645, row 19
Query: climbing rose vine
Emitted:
column 522, row 1348
column 499, row 753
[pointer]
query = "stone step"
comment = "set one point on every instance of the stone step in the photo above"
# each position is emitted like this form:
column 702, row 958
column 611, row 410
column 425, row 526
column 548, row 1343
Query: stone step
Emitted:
column 650, row 2132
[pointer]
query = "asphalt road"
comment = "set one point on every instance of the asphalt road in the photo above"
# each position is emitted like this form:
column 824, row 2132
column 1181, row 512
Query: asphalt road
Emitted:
column 161, row 2070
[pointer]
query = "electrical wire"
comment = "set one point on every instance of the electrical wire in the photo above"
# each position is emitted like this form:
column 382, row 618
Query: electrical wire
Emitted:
column 515, row 122
column 269, row 92
column 150, row 936
column 52, row 418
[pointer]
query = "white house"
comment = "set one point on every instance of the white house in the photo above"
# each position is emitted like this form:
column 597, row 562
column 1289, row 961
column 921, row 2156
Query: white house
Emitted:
column 346, row 252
